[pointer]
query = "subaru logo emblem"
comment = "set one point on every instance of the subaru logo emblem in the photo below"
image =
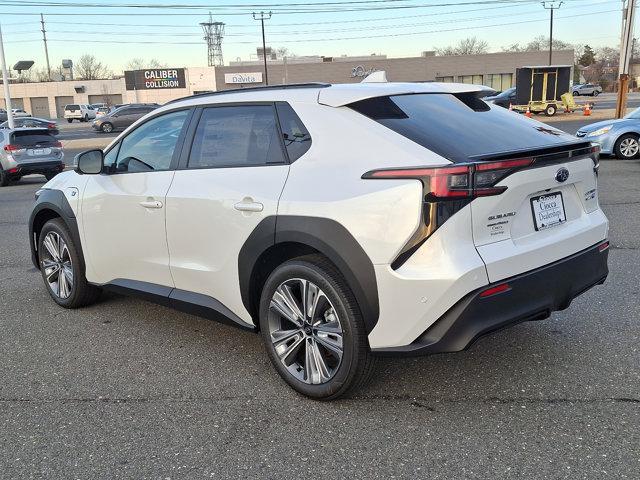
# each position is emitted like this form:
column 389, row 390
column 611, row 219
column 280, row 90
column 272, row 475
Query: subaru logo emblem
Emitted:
column 562, row 175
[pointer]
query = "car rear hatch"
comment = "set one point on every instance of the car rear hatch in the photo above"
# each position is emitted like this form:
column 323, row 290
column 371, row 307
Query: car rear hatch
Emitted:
column 34, row 145
column 531, row 188
column 548, row 210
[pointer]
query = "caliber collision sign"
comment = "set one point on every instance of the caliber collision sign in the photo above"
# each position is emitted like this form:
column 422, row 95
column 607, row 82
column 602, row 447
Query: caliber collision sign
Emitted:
column 155, row 78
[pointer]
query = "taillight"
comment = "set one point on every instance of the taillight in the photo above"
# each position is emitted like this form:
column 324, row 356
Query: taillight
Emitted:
column 447, row 189
column 456, row 182
column 12, row 148
column 51, row 126
column 58, row 144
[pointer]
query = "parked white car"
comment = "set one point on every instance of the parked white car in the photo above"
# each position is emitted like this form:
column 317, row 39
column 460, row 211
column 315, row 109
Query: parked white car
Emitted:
column 19, row 113
column 339, row 221
column 79, row 111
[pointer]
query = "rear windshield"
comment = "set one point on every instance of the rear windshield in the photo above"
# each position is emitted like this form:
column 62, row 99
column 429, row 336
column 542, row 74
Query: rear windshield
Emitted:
column 31, row 139
column 72, row 107
column 460, row 127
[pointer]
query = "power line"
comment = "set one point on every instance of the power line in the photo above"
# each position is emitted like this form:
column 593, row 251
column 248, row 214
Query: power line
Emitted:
column 520, row 22
column 296, row 32
column 288, row 11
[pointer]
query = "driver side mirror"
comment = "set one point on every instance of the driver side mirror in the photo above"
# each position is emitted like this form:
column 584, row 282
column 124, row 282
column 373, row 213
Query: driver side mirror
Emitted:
column 90, row 162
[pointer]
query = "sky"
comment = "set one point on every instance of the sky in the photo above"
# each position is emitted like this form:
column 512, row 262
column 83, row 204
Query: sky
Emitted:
column 116, row 31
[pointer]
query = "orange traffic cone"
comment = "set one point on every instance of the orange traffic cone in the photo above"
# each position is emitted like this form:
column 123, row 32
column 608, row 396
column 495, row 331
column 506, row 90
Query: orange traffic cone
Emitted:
column 528, row 112
column 587, row 110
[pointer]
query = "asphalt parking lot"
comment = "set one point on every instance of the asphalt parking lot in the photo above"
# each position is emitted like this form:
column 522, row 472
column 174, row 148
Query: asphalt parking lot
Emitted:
column 128, row 389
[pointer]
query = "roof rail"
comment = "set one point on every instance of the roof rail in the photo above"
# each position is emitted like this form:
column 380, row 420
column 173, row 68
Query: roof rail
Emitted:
column 253, row 89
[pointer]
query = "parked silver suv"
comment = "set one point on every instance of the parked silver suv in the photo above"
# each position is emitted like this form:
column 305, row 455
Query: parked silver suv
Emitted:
column 24, row 151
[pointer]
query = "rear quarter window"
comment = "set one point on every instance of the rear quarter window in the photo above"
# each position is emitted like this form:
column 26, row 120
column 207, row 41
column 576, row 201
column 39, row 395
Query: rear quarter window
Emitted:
column 460, row 127
column 294, row 134
column 72, row 107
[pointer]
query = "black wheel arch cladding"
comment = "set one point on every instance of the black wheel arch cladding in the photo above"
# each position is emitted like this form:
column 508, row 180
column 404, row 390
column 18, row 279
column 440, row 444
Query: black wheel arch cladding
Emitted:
column 52, row 203
column 324, row 235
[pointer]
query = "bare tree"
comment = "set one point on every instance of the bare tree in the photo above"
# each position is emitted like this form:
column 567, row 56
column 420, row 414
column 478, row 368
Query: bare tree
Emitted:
column 140, row 64
column 89, row 68
column 466, row 46
column 539, row 43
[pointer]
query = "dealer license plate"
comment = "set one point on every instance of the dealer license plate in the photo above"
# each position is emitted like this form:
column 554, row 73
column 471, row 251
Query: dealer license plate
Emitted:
column 548, row 210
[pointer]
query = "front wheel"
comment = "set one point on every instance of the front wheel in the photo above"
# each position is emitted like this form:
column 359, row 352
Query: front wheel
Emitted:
column 106, row 127
column 550, row 111
column 62, row 267
column 313, row 329
column 627, row 146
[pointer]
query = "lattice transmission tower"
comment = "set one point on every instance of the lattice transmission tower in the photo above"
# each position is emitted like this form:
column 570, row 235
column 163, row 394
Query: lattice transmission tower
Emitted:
column 213, row 33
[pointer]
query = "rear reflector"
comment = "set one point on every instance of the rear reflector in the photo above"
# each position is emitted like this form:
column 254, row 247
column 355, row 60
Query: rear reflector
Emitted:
column 503, row 287
column 603, row 246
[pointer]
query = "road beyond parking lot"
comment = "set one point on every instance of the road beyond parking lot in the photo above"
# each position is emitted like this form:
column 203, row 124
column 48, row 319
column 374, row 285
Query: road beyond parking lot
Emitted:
column 128, row 389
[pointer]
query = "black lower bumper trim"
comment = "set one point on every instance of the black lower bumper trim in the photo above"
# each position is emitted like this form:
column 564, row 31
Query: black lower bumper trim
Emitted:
column 38, row 167
column 530, row 296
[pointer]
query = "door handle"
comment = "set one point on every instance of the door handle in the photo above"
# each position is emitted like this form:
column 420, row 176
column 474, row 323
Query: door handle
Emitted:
column 151, row 204
column 248, row 205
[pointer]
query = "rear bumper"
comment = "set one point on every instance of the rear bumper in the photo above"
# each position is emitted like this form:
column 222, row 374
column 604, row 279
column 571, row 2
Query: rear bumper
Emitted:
column 531, row 296
column 36, row 167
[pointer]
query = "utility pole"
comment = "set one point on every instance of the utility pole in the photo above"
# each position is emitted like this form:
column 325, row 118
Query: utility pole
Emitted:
column 551, row 6
column 263, row 16
column 46, row 50
column 5, row 84
column 626, row 51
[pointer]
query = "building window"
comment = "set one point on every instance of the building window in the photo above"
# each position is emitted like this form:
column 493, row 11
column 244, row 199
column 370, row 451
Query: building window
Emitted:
column 445, row 79
column 473, row 79
column 499, row 81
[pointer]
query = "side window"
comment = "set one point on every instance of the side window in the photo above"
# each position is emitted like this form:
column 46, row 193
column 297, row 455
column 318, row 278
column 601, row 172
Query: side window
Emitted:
column 235, row 137
column 150, row 146
column 296, row 137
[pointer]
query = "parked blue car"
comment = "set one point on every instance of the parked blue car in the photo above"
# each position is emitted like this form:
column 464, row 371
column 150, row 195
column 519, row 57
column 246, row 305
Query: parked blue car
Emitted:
column 619, row 137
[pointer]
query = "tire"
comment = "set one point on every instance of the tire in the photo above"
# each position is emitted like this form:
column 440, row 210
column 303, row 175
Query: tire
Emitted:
column 627, row 146
column 106, row 127
column 576, row 94
column 4, row 179
column 57, row 253
column 596, row 93
column 50, row 175
column 86, row 117
column 343, row 370
column 69, row 120
column 550, row 111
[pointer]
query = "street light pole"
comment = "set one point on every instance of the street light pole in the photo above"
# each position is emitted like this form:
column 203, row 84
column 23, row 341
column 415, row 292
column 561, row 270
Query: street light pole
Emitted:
column 551, row 6
column 263, row 16
column 5, row 84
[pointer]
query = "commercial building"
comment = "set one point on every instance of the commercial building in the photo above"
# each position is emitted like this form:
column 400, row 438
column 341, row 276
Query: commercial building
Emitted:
column 496, row 70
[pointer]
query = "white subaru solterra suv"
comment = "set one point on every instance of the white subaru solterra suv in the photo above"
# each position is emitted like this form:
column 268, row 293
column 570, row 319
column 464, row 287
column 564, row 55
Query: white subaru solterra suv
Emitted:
column 342, row 222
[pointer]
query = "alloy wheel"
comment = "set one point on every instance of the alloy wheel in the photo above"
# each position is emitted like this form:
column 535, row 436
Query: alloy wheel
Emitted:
column 305, row 331
column 57, row 265
column 629, row 147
